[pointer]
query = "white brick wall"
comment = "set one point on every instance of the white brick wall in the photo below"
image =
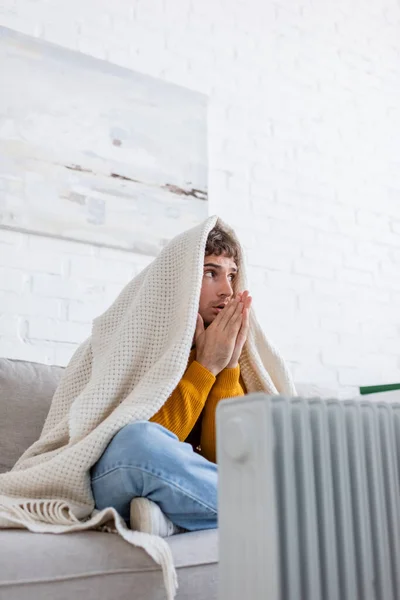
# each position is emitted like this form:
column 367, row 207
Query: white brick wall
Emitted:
column 304, row 146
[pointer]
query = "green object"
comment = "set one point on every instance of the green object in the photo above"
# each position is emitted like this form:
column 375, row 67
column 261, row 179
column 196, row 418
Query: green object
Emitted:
column 374, row 389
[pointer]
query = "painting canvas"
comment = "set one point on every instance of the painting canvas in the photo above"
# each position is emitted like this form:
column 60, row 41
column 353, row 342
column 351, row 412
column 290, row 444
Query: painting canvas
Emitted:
column 93, row 152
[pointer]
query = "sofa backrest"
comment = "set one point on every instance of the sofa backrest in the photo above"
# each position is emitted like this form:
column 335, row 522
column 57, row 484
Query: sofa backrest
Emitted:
column 26, row 390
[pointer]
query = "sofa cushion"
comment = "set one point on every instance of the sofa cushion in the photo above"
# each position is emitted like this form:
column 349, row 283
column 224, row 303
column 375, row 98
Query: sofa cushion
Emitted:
column 312, row 390
column 26, row 390
column 99, row 566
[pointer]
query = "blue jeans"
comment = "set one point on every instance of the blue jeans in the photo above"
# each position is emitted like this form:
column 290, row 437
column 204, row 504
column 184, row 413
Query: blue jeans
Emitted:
column 146, row 460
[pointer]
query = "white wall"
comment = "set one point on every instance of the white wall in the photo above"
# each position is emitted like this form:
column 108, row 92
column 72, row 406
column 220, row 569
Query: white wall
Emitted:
column 304, row 144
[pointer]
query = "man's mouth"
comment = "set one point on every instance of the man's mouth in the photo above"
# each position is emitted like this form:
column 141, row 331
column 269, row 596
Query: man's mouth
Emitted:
column 219, row 307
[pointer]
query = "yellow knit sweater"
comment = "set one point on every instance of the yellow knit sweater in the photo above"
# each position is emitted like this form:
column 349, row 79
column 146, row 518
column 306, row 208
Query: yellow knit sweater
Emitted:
column 194, row 399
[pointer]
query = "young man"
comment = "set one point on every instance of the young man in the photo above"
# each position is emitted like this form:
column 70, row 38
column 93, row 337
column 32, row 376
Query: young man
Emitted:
column 155, row 480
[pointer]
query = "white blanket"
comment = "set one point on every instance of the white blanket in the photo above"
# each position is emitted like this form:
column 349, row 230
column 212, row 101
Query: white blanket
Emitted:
column 124, row 372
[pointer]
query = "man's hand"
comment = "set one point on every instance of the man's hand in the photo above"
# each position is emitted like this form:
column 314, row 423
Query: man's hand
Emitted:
column 217, row 345
column 243, row 331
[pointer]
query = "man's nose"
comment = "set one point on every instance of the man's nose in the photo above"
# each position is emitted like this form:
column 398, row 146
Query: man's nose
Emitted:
column 226, row 288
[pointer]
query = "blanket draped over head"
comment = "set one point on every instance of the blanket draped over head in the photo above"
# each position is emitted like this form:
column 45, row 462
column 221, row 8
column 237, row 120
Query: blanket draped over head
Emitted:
column 124, row 372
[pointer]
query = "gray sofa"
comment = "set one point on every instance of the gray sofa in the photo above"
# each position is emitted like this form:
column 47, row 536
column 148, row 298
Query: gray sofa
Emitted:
column 90, row 565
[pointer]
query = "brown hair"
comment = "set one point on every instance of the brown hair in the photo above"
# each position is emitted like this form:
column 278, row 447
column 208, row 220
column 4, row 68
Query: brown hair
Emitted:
column 220, row 242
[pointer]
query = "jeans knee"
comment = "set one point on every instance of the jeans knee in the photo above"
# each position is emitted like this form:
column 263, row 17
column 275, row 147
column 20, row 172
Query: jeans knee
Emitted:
column 140, row 434
column 141, row 444
column 137, row 441
column 134, row 432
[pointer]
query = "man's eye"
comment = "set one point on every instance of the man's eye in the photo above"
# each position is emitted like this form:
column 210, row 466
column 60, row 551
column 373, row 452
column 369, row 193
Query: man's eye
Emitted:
column 209, row 273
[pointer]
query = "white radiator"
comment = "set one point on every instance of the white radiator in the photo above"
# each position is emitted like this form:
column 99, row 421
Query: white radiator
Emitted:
column 309, row 499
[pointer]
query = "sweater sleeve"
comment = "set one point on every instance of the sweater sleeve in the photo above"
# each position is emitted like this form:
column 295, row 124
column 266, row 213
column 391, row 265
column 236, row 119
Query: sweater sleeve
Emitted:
column 182, row 409
column 227, row 385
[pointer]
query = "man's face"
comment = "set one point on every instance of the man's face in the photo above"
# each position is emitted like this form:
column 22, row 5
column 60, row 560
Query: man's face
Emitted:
column 217, row 287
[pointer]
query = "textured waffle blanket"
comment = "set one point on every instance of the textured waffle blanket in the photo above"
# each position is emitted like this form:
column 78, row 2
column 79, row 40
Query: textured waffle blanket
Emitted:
column 125, row 371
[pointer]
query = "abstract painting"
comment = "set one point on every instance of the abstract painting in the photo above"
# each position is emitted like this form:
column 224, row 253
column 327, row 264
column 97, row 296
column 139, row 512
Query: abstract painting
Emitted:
column 97, row 153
